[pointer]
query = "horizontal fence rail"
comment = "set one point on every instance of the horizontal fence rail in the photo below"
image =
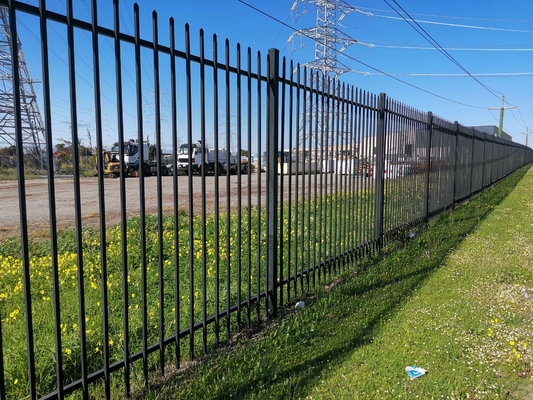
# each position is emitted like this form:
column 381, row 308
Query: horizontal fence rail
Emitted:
column 278, row 179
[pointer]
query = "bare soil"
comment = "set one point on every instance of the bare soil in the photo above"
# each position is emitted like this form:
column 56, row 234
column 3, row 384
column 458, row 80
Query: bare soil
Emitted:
column 37, row 202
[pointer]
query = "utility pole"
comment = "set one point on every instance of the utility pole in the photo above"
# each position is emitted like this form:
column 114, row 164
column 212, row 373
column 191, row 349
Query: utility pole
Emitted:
column 502, row 109
column 527, row 134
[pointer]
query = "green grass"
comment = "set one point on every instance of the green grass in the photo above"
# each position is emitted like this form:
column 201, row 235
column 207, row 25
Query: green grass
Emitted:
column 450, row 301
column 289, row 359
column 209, row 257
column 9, row 174
column 12, row 174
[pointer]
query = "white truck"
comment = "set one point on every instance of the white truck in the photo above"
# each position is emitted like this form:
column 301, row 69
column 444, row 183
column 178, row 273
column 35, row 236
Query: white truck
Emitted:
column 132, row 159
column 191, row 155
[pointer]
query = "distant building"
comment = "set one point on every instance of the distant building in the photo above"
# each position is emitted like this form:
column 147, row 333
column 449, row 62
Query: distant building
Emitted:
column 493, row 131
column 409, row 144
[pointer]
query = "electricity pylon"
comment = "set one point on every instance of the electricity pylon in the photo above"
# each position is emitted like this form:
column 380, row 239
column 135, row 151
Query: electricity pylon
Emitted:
column 32, row 123
column 329, row 42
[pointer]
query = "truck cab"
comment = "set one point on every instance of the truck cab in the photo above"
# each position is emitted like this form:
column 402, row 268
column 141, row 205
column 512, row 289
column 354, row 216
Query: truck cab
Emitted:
column 131, row 154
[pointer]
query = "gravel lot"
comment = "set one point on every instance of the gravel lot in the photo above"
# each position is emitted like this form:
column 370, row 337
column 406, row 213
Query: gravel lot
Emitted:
column 37, row 199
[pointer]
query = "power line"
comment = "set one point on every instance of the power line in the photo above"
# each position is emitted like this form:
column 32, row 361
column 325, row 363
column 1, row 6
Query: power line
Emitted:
column 516, row 119
column 452, row 48
column 455, row 17
column 460, row 25
column 443, row 51
column 364, row 64
column 485, row 75
column 434, row 43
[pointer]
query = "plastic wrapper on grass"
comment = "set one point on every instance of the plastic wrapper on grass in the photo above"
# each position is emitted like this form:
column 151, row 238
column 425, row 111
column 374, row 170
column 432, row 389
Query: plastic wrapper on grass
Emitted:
column 415, row 372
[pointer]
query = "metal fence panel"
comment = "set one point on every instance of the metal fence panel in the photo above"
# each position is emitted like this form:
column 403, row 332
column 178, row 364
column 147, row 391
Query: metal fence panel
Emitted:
column 478, row 158
column 443, row 168
column 346, row 171
column 464, row 163
column 488, row 160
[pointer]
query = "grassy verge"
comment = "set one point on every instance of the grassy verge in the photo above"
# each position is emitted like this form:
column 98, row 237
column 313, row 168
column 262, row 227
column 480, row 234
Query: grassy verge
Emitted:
column 219, row 261
column 12, row 173
column 453, row 300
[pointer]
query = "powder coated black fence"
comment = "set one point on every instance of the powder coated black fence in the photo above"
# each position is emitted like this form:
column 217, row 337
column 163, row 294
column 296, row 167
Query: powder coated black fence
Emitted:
column 313, row 176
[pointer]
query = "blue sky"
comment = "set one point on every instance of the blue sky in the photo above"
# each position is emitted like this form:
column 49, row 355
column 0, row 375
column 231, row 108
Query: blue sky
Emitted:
column 491, row 40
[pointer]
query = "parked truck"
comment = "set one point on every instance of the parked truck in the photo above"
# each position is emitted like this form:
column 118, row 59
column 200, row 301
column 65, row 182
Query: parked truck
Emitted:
column 132, row 163
column 200, row 158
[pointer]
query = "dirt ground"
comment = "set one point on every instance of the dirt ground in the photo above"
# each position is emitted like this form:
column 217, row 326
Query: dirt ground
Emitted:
column 38, row 204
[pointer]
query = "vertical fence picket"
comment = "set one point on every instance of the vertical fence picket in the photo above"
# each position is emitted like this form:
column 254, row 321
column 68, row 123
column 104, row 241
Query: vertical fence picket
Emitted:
column 239, row 187
column 259, row 231
column 77, row 201
column 290, row 241
column 310, row 166
column 329, row 179
column 24, row 244
column 379, row 178
column 281, row 190
column 249, row 92
column 175, row 191
column 428, row 168
column 335, row 184
column 142, row 202
column 272, row 181
column 123, row 209
column 204, row 189
column 217, row 188
column 361, row 167
column 191, row 238
column 51, row 200
column 354, row 166
column 160, row 248
column 103, row 249
column 322, row 193
column 227, row 92
column 302, row 162
column 297, row 274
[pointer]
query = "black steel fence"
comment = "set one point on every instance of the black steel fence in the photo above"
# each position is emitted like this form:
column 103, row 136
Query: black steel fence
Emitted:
column 308, row 176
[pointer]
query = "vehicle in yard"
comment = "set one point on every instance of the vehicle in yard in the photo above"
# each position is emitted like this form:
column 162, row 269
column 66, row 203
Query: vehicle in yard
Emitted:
column 200, row 159
column 131, row 160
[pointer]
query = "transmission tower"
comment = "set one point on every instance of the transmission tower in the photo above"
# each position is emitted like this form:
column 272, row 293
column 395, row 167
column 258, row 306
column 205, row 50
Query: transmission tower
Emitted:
column 32, row 124
column 329, row 42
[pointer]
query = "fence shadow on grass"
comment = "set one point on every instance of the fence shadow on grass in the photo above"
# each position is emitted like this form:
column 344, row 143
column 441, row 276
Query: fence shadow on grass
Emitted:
column 296, row 353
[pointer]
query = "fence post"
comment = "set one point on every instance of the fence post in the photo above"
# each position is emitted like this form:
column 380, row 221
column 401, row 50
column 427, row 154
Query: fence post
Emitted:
column 428, row 166
column 378, row 171
column 272, row 182
column 483, row 162
column 456, row 126
column 472, row 158
column 492, row 152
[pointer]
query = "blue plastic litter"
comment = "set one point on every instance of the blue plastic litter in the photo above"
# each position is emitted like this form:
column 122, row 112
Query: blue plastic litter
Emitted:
column 414, row 371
